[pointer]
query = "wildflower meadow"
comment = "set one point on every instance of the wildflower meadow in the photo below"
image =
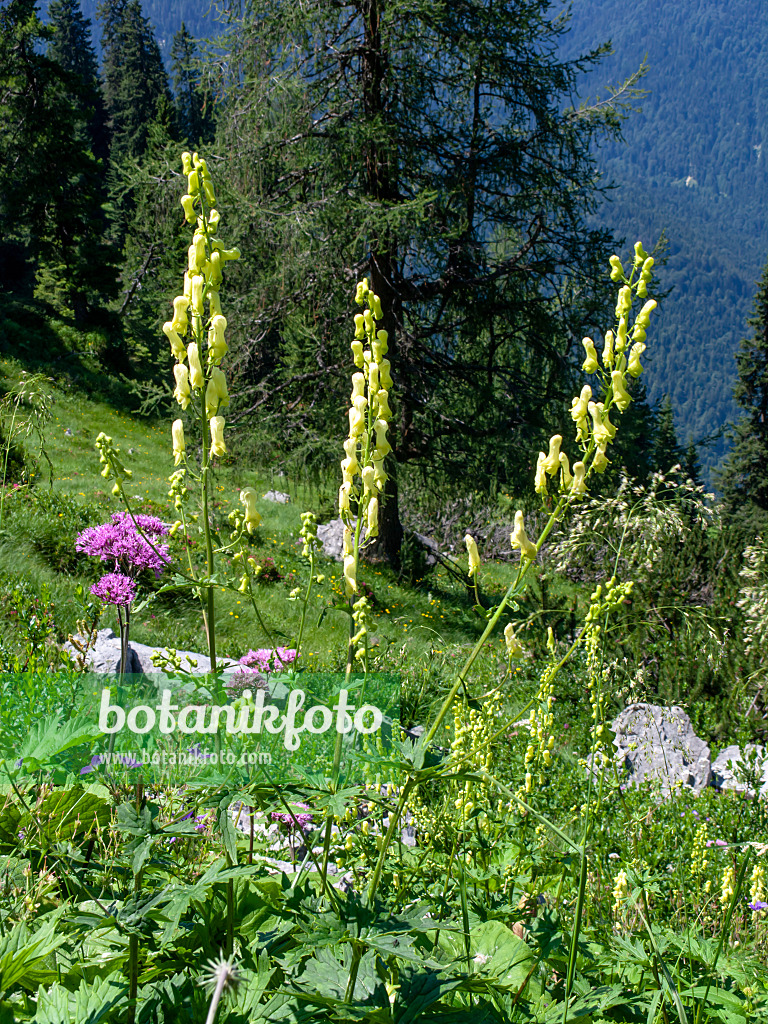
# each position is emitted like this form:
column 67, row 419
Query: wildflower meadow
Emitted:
column 249, row 779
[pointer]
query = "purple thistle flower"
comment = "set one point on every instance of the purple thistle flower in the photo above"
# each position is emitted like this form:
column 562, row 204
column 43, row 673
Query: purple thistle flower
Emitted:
column 114, row 588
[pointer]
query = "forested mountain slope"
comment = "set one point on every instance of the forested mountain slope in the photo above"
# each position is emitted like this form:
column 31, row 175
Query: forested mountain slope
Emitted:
column 694, row 165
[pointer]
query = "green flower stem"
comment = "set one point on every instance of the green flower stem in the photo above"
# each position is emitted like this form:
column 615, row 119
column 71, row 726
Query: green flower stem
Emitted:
column 305, row 603
column 7, row 446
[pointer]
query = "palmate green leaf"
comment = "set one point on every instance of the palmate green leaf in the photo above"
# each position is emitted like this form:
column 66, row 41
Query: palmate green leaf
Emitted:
column 324, row 982
column 420, row 989
column 65, row 813
column 498, row 954
column 90, row 1004
column 719, row 999
column 182, row 895
column 24, row 954
column 52, row 737
column 587, row 1006
column 10, row 826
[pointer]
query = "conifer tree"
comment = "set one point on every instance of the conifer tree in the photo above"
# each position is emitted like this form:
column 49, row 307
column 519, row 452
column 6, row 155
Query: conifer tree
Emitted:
column 666, row 450
column 189, row 98
column 744, row 474
column 427, row 146
column 135, row 83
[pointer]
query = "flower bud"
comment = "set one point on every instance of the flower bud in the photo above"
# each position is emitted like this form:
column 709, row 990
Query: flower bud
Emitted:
column 375, row 303
column 177, row 346
column 193, row 182
column 359, row 326
column 624, row 301
column 384, row 378
column 373, row 377
column 643, row 317
column 590, row 363
column 180, row 306
column 357, row 353
column 519, row 538
column 621, row 397
column 640, row 254
column 474, row 555
column 379, row 345
column 634, row 368
column 617, row 271
column 362, row 290
column 248, row 498
column 217, row 436
column 208, row 190
column 186, row 163
column 358, row 387
column 177, row 433
column 181, row 392
column 196, row 378
column 621, row 334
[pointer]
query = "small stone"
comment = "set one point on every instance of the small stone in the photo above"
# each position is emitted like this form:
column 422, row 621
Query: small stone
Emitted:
column 724, row 776
column 68, row 432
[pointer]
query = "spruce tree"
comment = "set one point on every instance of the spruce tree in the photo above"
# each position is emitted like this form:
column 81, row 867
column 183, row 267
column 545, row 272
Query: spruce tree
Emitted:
column 189, row 98
column 135, row 83
column 743, row 477
column 666, row 450
column 429, row 147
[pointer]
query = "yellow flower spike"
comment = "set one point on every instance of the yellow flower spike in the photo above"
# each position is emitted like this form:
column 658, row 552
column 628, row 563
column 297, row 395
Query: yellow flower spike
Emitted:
column 197, row 283
column 579, row 486
column 621, row 396
column 385, row 380
column 217, row 436
column 357, row 354
column 248, row 498
column 474, row 555
column 600, row 461
column 350, row 575
column 385, row 413
column 196, row 378
column 369, row 481
column 189, row 209
column 379, row 346
column 590, row 363
column 565, row 478
column 181, row 392
column 179, row 448
column 180, row 306
column 217, row 346
column 634, row 368
column 552, row 460
column 177, row 345
column 359, row 326
column 540, row 479
column 608, row 350
column 373, row 517
column 519, row 538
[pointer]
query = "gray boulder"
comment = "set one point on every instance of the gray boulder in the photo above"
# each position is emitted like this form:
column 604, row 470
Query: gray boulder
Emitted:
column 331, row 536
column 658, row 745
column 105, row 657
column 278, row 497
column 724, row 775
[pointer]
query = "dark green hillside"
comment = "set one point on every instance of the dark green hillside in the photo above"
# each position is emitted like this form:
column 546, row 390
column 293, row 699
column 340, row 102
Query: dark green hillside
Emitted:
column 694, row 165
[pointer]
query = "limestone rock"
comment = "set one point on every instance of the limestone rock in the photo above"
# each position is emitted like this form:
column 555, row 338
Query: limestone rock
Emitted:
column 658, row 745
column 105, row 657
column 331, row 536
column 278, row 497
column 723, row 775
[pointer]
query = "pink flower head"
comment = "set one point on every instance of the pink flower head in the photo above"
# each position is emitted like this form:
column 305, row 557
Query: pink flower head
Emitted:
column 114, row 588
column 304, row 820
column 268, row 660
column 119, row 542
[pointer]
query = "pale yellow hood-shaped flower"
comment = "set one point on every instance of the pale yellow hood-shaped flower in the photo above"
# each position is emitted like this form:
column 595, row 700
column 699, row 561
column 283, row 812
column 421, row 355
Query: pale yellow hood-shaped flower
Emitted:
column 474, row 554
column 217, row 436
column 519, row 538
